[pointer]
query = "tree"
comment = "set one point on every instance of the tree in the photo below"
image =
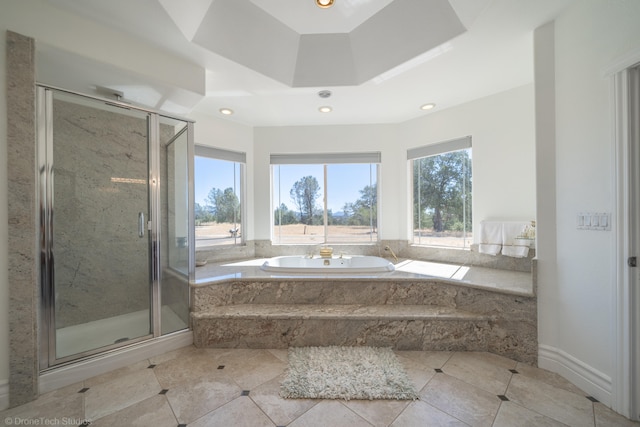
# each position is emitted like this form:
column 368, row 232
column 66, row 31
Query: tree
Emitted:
column 283, row 215
column 224, row 205
column 364, row 211
column 201, row 214
column 367, row 205
column 304, row 194
column 442, row 187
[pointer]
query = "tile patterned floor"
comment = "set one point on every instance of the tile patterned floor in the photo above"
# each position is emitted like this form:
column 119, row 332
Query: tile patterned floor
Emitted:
column 223, row 387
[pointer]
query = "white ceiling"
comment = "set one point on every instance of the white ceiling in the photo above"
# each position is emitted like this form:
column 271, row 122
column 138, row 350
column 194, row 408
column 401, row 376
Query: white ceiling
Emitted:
column 494, row 54
column 304, row 17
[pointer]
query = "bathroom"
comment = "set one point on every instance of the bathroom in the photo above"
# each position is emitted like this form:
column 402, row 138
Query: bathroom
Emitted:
column 502, row 127
column 265, row 141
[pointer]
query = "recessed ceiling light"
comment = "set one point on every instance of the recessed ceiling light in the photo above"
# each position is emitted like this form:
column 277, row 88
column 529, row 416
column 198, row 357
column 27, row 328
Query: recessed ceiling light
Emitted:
column 325, row 109
column 324, row 3
column 226, row 111
column 427, row 106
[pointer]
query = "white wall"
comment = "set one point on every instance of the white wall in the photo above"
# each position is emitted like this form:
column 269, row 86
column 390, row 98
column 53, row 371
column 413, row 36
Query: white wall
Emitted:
column 576, row 334
column 502, row 130
column 503, row 140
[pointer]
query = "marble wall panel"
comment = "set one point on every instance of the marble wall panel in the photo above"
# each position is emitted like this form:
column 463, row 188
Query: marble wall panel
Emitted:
column 430, row 292
column 22, row 209
column 433, row 335
column 514, row 307
column 515, row 340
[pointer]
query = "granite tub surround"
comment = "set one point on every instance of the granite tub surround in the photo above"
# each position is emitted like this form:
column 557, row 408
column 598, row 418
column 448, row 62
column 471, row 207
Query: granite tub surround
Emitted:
column 509, row 281
column 402, row 312
column 470, row 257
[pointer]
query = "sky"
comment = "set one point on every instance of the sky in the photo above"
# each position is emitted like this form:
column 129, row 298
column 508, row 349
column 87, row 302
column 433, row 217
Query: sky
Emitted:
column 344, row 181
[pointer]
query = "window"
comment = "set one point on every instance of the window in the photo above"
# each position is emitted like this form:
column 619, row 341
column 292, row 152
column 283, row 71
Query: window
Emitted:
column 325, row 198
column 442, row 201
column 218, row 183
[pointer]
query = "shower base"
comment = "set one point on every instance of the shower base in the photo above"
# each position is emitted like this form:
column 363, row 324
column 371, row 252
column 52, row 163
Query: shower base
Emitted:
column 112, row 330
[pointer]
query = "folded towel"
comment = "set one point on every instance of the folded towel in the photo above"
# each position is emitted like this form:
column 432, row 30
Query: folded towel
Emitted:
column 491, row 232
column 511, row 230
column 511, row 246
column 489, row 249
column 490, row 237
column 515, row 251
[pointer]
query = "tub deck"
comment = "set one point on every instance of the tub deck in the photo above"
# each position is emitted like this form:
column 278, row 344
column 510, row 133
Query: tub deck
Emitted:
column 420, row 306
column 515, row 282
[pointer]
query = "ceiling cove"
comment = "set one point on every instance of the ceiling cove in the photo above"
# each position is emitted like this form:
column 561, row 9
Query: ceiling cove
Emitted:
column 302, row 45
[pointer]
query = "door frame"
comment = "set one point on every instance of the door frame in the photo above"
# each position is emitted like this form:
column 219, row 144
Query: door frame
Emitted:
column 625, row 87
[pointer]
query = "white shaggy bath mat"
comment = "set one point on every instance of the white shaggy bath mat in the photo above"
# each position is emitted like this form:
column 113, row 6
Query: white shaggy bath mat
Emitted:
column 345, row 373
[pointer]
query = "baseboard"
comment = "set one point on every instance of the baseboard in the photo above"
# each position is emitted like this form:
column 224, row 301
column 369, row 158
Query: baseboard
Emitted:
column 80, row 371
column 585, row 377
column 4, row 394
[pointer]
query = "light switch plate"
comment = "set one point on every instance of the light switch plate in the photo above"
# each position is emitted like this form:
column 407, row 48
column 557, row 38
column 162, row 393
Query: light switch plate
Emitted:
column 593, row 221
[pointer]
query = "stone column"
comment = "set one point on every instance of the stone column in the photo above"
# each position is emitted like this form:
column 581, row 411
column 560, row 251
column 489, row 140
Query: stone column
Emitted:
column 22, row 210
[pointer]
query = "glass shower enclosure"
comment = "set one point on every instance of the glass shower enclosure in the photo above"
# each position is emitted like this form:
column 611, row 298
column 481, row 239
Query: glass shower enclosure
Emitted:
column 115, row 184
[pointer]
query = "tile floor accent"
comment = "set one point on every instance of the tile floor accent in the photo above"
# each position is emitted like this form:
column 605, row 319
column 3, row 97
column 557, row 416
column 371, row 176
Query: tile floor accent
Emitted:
column 188, row 387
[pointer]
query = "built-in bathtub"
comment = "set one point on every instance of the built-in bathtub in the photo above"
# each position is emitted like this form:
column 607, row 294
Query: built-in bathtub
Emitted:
column 335, row 265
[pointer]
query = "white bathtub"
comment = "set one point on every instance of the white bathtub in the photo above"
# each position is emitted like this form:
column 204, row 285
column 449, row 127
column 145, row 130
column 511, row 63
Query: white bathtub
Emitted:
column 346, row 265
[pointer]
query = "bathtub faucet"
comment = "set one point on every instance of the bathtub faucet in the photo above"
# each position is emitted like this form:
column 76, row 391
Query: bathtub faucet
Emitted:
column 388, row 249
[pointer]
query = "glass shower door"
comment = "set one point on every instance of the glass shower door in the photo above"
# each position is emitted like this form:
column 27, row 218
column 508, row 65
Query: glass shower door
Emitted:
column 100, row 210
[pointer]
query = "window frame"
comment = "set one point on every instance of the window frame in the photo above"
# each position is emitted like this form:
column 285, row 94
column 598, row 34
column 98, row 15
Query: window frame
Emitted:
column 431, row 150
column 240, row 158
column 324, row 160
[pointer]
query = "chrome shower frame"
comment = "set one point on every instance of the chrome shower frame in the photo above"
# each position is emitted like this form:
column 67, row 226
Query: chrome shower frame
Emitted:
column 46, row 208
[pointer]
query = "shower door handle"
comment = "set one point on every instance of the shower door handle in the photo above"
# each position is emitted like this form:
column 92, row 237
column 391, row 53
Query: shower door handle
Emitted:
column 140, row 224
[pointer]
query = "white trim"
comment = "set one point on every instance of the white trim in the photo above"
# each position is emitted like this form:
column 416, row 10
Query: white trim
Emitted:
column 585, row 377
column 325, row 158
column 220, row 153
column 80, row 371
column 439, row 148
column 621, row 319
column 626, row 345
column 622, row 63
column 4, row 394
